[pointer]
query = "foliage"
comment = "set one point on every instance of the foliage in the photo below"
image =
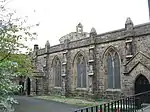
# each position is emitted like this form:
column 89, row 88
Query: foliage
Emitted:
column 7, row 105
column 14, row 32
column 24, row 64
column 7, row 87
column 12, row 67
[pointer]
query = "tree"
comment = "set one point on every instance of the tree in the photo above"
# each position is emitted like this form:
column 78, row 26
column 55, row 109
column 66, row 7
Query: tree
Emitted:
column 13, row 33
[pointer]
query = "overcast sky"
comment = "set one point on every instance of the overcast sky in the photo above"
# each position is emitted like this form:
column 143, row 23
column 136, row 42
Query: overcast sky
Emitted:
column 60, row 17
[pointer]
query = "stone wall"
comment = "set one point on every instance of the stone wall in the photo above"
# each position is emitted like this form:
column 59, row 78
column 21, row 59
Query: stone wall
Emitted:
column 131, row 43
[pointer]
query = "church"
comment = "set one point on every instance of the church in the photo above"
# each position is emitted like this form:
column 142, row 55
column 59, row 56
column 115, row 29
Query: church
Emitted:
column 115, row 63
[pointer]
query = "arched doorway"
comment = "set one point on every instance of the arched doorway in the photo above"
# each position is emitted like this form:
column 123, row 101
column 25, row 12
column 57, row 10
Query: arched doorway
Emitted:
column 141, row 84
column 28, row 86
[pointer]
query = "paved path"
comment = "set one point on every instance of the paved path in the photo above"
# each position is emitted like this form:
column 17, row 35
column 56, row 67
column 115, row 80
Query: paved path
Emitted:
column 30, row 104
column 146, row 109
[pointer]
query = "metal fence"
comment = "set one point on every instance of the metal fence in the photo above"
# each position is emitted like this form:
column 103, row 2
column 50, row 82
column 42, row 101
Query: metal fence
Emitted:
column 128, row 104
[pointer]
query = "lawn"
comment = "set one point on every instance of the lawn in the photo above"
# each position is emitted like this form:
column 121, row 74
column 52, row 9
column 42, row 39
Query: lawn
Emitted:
column 73, row 101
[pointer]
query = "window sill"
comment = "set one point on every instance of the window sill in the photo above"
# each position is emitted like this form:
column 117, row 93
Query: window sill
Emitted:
column 58, row 87
column 114, row 90
column 83, row 89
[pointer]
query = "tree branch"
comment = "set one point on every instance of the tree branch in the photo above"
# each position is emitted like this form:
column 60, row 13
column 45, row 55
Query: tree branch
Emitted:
column 5, row 57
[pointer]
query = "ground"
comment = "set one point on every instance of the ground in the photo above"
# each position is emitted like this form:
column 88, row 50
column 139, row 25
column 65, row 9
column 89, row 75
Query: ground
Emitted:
column 78, row 101
column 30, row 104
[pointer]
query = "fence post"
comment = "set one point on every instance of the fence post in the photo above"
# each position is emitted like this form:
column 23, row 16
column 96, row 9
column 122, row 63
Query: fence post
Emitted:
column 104, row 107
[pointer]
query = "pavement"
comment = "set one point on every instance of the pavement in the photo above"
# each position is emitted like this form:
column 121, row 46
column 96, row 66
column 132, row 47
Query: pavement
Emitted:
column 146, row 109
column 31, row 104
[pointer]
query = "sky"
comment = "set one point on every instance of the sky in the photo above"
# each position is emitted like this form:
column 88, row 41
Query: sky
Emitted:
column 60, row 17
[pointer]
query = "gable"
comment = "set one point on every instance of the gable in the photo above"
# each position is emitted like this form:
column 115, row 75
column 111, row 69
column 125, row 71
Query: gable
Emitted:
column 139, row 58
column 139, row 66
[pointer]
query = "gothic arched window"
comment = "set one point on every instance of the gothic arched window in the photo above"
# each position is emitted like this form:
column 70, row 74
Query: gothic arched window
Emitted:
column 81, row 71
column 57, row 72
column 113, row 69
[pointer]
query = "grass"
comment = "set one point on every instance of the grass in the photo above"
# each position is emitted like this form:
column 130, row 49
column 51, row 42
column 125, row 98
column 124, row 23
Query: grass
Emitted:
column 73, row 101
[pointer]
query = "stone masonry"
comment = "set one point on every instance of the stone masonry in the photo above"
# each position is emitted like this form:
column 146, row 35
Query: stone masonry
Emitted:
column 132, row 44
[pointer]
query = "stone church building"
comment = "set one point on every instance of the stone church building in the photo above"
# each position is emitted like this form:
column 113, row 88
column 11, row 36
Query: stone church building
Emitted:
column 91, row 64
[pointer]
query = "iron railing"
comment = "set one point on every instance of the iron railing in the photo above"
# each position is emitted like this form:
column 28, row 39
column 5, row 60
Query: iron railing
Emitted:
column 128, row 104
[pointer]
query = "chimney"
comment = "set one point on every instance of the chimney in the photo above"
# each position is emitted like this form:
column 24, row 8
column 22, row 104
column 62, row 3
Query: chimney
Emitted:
column 36, row 47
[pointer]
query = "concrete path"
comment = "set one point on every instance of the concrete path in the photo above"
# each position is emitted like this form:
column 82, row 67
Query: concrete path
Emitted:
column 30, row 104
column 146, row 109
